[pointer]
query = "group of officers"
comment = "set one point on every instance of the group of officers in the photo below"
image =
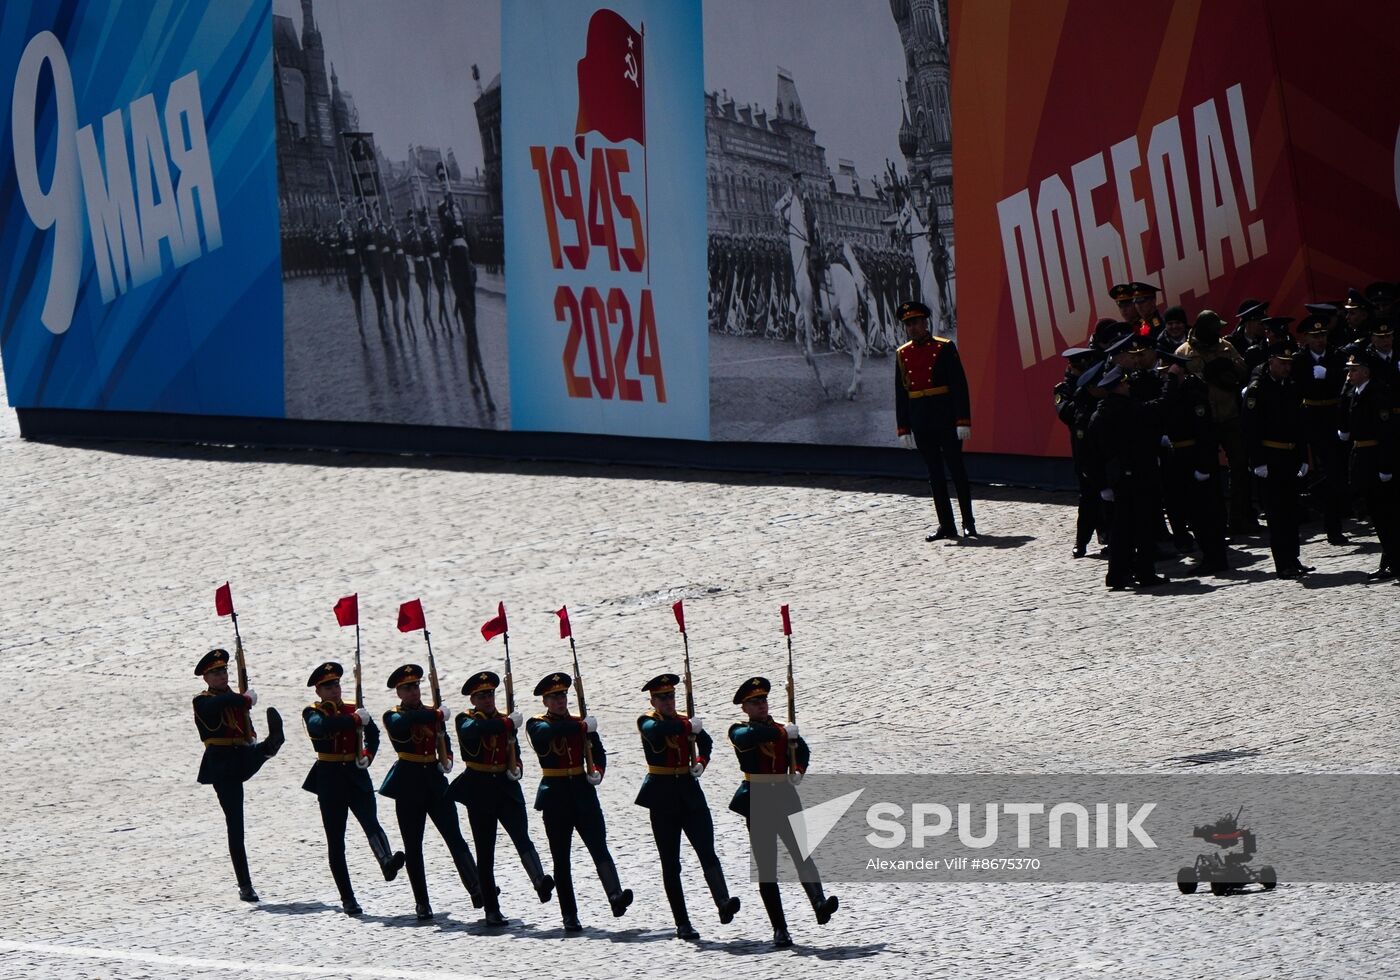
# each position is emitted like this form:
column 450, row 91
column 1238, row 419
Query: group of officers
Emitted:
column 1299, row 407
column 572, row 763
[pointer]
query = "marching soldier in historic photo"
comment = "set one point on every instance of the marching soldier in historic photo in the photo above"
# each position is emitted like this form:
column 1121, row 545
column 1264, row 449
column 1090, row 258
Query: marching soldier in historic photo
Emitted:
column 232, row 754
column 340, row 778
column 775, row 755
column 677, row 751
column 572, row 764
column 489, row 787
column 417, row 785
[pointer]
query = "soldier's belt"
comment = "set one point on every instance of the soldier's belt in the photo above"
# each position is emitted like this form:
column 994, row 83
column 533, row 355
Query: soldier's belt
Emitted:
column 335, row 756
column 1270, row 444
column 927, row 392
column 668, row 770
column 571, row 771
column 1320, row 402
column 228, row 741
column 1366, row 443
column 1184, row 444
column 415, row 757
column 483, row 767
column 765, row 777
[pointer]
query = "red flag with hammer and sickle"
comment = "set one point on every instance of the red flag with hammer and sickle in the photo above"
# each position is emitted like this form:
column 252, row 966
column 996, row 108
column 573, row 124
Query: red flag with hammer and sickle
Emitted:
column 611, row 86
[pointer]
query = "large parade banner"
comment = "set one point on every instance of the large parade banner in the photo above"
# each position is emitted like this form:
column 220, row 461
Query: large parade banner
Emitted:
column 1162, row 150
column 604, row 186
column 138, row 218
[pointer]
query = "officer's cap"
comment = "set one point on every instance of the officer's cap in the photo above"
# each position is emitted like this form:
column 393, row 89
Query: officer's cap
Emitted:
column 910, row 309
column 1355, row 358
column 484, row 681
column 1144, row 290
column 1077, row 353
column 1090, row 373
column 1313, row 324
column 1355, row 301
column 1167, row 357
column 553, row 684
column 211, row 660
column 407, row 674
column 752, row 688
column 1380, row 293
column 1252, row 309
column 328, row 671
column 1382, row 328
column 662, row 684
column 1122, row 292
column 1282, row 349
column 1111, row 377
column 1277, row 324
column 1322, row 309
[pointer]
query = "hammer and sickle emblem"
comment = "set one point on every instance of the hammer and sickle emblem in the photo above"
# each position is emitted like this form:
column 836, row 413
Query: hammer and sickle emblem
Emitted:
column 631, row 73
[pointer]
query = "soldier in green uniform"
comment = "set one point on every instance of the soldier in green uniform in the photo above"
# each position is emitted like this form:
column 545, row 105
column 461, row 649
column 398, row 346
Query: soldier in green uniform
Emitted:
column 568, row 795
column 418, row 787
column 489, row 787
column 232, row 753
column 762, row 747
column 671, row 791
column 341, row 786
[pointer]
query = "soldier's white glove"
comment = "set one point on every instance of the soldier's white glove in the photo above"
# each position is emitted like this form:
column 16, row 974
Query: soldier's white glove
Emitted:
column 445, row 711
column 590, row 724
column 907, row 441
column 1344, row 436
column 964, row 433
column 791, row 730
column 1200, row 477
column 252, row 697
column 446, row 767
column 1385, row 477
column 1106, row 496
column 514, row 774
column 697, row 725
column 363, row 716
column 1166, row 442
column 1262, row 471
column 516, row 719
column 594, row 777
column 1319, row 372
column 1302, row 471
column 696, row 770
column 795, row 778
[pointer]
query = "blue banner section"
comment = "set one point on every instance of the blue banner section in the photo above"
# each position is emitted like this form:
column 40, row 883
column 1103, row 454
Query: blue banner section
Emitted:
column 604, row 156
column 138, row 207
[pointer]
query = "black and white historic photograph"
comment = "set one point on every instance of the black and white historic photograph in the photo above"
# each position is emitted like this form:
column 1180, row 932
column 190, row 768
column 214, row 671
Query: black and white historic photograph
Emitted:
column 389, row 185
column 828, row 141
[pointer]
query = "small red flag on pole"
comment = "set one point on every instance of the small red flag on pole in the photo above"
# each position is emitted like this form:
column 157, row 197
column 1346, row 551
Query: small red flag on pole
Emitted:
column 223, row 600
column 411, row 616
column 678, row 608
column 347, row 610
column 565, row 630
column 787, row 623
column 496, row 625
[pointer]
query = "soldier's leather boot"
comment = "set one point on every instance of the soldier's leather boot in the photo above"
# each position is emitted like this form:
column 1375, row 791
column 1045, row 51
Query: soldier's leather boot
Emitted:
column 684, row 930
column 773, row 903
column 727, row 904
column 275, row 736
column 423, row 911
column 823, row 905
column 246, row 893
column 351, row 907
column 618, row 897
column 390, row 860
column 543, row 883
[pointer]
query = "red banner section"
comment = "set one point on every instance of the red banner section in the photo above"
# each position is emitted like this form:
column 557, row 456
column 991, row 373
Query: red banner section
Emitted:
column 1163, row 148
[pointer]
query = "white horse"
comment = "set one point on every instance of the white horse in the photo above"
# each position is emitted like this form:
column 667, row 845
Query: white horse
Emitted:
column 873, row 326
column 909, row 225
column 837, row 302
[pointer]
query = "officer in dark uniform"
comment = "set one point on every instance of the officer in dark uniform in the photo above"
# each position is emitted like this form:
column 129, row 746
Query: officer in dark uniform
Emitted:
column 401, row 272
column 1380, row 355
column 1273, row 432
column 463, row 276
column 671, row 792
column 418, row 787
column 1250, row 337
column 341, row 786
column 368, row 244
column 1357, row 311
column 1190, row 471
column 489, row 787
column 1122, row 294
column 417, row 250
column 1074, row 405
column 568, row 795
column 354, row 278
column 1368, row 423
column 389, row 265
column 1145, row 308
column 232, row 754
column 1320, row 376
column 933, row 413
column 762, row 747
column 438, row 266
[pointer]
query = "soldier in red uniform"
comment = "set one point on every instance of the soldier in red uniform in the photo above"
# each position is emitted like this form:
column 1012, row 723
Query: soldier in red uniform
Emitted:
column 340, row 782
column 933, row 413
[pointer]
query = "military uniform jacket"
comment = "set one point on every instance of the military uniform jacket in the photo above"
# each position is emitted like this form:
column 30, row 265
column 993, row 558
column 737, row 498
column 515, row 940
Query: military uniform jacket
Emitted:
column 666, row 744
column 1124, row 436
column 415, row 776
column 1321, row 396
column 485, row 742
column 1367, row 417
column 1385, row 372
column 1273, row 422
column 558, row 741
column 332, row 727
column 762, row 750
column 1254, row 352
column 930, row 388
column 1187, row 423
column 224, row 726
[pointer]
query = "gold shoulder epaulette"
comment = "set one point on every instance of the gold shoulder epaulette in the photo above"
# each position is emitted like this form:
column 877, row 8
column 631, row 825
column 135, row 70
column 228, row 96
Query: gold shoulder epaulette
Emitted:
column 907, row 343
column 943, row 340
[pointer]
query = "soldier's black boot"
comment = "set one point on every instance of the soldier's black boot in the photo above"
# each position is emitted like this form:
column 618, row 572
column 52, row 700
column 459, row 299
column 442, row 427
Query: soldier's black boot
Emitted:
column 727, row 904
column 773, row 902
column 493, row 915
column 618, row 897
column 348, row 903
column 275, row 737
column 568, row 909
column 675, row 897
column 466, row 870
column 390, row 860
column 246, row 893
column 543, row 883
column 423, row 911
column 822, row 904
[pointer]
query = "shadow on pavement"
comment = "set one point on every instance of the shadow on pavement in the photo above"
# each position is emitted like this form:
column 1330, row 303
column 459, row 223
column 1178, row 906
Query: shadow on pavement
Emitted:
column 997, row 541
column 297, row 908
column 1328, row 580
column 757, row 947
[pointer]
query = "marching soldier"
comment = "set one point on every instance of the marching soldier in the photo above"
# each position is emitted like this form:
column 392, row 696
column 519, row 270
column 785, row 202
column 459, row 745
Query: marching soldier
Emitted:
column 232, row 755
column 1122, row 294
column 418, row 787
column 417, row 249
column 1368, row 424
column 389, row 266
column 340, row 785
column 463, row 276
column 368, row 243
column 933, row 413
column 671, row 792
column 762, row 746
column 1074, row 405
column 1320, row 376
column 345, row 244
column 401, row 273
column 438, row 267
column 1190, row 474
column 490, row 790
column 1273, row 427
column 568, row 795
column 1250, row 337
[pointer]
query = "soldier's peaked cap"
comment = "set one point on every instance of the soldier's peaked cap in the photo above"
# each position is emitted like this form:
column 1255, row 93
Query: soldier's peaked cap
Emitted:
column 211, row 660
column 553, row 684
column 1122, row 292
column 752, row 688
column 484, row 681
column 407, row 674
column 328, row 671
column 1313, row 323
column 1355, row 301
column 1382, row 328
column 910, row 309
column 1252, row 309
column 1142, row 289
column 662, row 683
